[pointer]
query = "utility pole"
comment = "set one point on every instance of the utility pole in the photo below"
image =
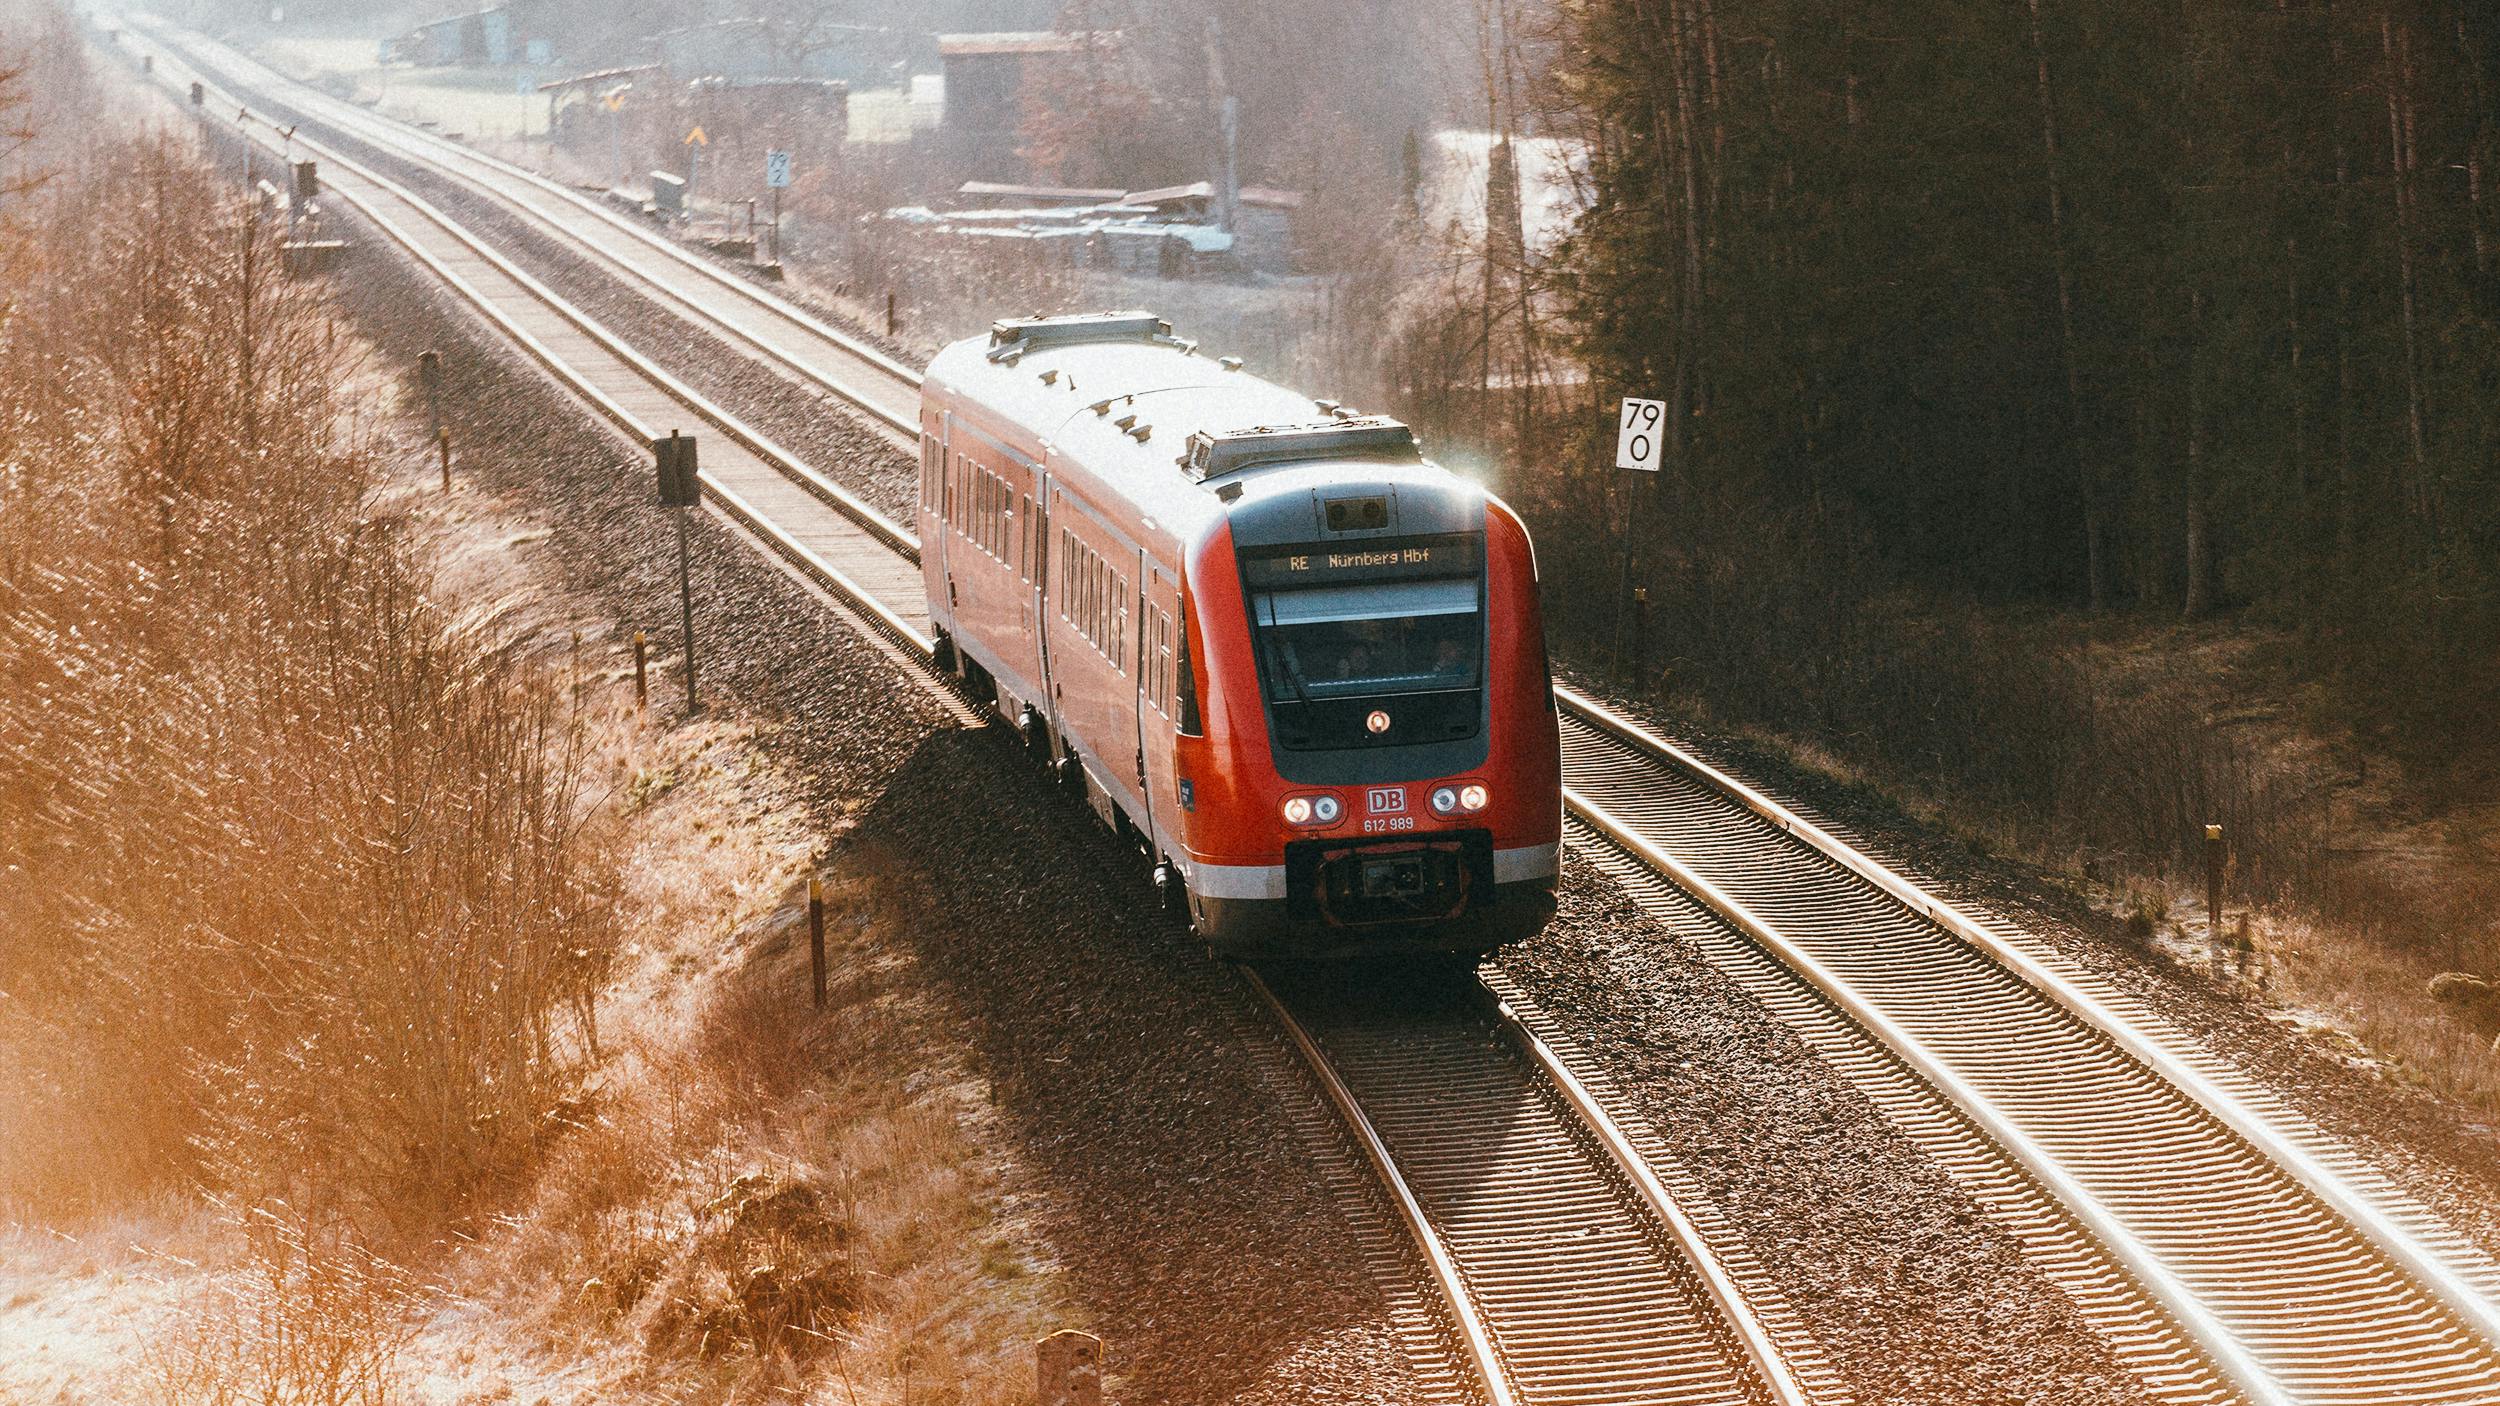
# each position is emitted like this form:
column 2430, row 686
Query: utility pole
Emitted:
column 1228, row 119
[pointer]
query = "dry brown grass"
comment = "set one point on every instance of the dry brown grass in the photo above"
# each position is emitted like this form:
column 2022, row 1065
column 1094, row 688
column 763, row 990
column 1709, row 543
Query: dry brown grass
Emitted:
column 330, row 891
column 310, row 1318
column 759, row 1200
column 302, row 897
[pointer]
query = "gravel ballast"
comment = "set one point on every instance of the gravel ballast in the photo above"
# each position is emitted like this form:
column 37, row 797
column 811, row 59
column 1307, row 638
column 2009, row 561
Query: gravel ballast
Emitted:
column 1189, row 1226
column 1917, row 1295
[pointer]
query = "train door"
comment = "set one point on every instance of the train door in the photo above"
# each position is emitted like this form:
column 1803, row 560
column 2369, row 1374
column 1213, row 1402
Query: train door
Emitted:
column 1037, row 596
column 1140, row 651
column 948, row 505
column 1158, row 653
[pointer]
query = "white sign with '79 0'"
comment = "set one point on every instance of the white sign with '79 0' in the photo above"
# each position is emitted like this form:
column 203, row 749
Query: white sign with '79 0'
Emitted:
column 1639, row 435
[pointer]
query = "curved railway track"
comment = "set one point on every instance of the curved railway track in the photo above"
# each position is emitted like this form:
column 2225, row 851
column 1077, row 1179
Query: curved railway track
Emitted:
column 2228, row 1250
column 1581, row 1280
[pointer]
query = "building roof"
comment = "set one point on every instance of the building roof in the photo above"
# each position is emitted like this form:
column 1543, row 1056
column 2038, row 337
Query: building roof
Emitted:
column 1205, row 190
column 1018, row 42
column 605, row 75
column 1071, row 195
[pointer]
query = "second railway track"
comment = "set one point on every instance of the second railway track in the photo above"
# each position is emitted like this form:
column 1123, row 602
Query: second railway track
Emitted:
column 2226, row 1250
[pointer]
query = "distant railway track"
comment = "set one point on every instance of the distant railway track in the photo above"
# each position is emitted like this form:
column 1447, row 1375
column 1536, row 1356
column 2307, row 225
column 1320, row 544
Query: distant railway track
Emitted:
column 2227, row 1250
column 775, row 330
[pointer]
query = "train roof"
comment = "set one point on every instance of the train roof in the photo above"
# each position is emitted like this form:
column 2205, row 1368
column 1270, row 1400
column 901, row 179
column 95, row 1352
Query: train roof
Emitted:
column 1189, row 441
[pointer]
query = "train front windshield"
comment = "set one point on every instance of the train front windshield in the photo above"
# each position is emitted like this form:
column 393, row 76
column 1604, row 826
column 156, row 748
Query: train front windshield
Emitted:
column 1379, row 639
column 1377, row 646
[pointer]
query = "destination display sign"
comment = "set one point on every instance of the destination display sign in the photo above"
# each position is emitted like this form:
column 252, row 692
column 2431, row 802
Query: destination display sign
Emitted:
column 1366, row 561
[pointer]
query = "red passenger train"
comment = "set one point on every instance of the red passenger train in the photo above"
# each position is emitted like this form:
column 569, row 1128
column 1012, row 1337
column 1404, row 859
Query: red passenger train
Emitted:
column 1301, row 665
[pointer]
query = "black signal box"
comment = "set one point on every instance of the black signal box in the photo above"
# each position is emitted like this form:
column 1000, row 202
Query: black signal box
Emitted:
column 680, row 486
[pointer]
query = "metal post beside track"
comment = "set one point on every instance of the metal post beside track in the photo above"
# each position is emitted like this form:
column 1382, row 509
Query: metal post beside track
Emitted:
column 685, row 610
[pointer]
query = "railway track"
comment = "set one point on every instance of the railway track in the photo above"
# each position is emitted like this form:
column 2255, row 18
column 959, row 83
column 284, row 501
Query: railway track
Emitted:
column 2188, row 1220
column 792, row 340
column 1571, row 1274
column 2226, row 1249
column 1584, row 1281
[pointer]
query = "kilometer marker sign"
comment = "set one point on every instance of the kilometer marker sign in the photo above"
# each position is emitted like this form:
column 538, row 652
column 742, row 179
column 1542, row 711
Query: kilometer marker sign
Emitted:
column 1639, row 443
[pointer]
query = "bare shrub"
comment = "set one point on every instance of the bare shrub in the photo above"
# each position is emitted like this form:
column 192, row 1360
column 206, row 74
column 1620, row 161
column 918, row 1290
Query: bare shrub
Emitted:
column 312, row 1318
column 293, row 858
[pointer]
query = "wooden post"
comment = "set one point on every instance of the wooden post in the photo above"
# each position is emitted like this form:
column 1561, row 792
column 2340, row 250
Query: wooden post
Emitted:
column 2213, row 881
column 1640, row 631
column 816, row 936
column 890, row 321
column 642, row 671
column 430, row 375
column 685, row 607
column 1067, row 1369
column 442, row 442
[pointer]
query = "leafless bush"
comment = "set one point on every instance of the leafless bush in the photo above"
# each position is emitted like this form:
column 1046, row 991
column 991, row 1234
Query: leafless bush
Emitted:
column 292, row 857
column 311, row 1319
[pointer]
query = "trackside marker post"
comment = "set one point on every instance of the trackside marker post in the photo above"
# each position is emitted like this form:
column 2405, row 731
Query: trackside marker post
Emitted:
column 816, row 937
column 2213, row 881
column 1640, row 443
column 681, row 488
column 777, row 179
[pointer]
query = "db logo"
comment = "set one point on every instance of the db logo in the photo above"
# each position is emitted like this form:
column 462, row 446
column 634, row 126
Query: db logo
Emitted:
column 1386, row 800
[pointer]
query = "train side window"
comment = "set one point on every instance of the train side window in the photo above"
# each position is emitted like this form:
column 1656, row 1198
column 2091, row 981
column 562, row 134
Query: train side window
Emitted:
column 1163, row 663
column 1185, row 690
column 1119, row 622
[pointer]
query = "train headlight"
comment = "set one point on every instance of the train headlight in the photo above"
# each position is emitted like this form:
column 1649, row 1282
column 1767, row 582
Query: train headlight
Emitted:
column 1313, row 810
column 1445, row 800
column 1473, row 798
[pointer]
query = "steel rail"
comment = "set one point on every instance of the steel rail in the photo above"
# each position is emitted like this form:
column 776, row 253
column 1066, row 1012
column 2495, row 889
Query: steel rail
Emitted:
column 403, row 139
column 1468, row 1324
column 2182, row 1305
column 1735, row 1308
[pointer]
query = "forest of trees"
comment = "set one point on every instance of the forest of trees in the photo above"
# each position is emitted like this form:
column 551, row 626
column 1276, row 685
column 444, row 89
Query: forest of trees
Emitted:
column 2141, row 307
